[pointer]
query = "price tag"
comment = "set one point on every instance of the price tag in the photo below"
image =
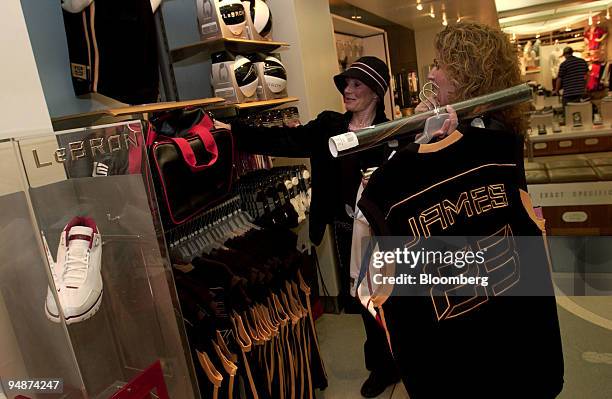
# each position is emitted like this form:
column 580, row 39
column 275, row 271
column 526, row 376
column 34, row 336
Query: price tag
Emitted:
column 342, row 142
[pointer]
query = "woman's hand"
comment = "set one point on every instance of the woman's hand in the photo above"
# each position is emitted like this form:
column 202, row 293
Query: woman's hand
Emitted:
column 449, row 126
column 422, row 107
column 221, row 125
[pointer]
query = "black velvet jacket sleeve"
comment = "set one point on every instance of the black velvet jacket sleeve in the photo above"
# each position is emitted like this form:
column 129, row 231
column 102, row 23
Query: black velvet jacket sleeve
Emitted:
column 334, row 180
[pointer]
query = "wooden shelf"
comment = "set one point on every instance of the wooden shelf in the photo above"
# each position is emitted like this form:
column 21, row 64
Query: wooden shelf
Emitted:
column 237, row 46
column 267, row 103
column 157, row 107
column 109, row 115
column 228, row 111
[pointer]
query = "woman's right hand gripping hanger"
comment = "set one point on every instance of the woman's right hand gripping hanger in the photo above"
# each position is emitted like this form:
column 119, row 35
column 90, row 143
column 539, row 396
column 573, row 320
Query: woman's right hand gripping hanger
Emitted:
column 440, row 124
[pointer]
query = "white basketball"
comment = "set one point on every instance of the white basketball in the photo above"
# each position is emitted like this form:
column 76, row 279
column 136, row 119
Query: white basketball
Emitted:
column 262, row 17
column 246, row 76
column 233, row 15
column 275, row 74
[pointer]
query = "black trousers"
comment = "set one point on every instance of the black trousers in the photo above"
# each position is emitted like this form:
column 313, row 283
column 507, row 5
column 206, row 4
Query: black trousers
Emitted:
column 378, row 357
column 571, row 99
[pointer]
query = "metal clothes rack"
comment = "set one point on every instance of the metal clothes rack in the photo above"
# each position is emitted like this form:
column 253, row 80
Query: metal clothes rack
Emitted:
column 186, row 231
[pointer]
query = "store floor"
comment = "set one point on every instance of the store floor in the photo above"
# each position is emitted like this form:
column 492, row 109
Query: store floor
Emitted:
column 586, row 327
column 341, row 339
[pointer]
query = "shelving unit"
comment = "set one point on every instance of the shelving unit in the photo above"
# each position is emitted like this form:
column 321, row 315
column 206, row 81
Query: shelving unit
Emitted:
column 169, row 57
column 232, row 110
column 241, row 46
column 112, row 115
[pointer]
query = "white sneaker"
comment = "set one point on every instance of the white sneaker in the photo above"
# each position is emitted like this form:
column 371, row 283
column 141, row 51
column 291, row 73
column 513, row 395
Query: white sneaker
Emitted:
column 78, row 270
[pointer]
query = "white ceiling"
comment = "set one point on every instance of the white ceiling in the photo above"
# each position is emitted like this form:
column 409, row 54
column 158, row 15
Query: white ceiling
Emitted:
column 507, row 5
column 404, row 12
column 552, row 16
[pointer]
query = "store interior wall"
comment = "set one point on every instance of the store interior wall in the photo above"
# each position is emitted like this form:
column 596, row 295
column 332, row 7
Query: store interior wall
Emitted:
column 311, row 63
column 318, row 55
column 402, row 49
column 48, row 40
column 424, row 40
column 23, row 109
column 193, row 74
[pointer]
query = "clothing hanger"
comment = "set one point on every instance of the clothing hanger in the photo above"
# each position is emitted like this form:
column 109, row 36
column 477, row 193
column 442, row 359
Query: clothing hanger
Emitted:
column 283, row 316
column 242, row 337
column 229, row 367
column 291, row 300
column 211, row 372
column 294, row 318
column 262, row 320
column 298, row 300
column 273, row 313
column 223, row 346
column 303, row 286
column 434, row 123
column 262, row 330
column 253, row 331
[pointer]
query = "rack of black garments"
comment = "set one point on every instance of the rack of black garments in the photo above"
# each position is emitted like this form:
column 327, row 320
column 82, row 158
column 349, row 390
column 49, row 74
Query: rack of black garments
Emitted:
column 246, row 306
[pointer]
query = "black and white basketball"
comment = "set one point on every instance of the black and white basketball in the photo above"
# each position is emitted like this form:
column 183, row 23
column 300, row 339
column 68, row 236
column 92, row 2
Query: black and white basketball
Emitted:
column 233, row 15
column 262, row 17
column 275, row 74
column 246, row 76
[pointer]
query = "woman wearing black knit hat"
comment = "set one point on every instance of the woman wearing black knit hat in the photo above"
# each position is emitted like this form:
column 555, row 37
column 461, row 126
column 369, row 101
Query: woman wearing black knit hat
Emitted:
column 335, row 182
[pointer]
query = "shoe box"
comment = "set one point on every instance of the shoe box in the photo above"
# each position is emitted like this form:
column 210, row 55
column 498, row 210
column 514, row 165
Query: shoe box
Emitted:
column 271, row 87
column 579, row 115
column 222, row 19
column 226, row 71
column 229, row 19
column 605, row 109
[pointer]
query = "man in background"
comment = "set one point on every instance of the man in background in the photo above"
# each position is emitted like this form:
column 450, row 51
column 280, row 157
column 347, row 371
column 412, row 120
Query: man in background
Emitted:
column 572, row 78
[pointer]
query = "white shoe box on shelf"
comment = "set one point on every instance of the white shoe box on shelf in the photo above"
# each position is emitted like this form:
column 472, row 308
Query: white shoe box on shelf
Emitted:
column 224, row 84
column 222, row 19
column 264, row 88
column 254, row 35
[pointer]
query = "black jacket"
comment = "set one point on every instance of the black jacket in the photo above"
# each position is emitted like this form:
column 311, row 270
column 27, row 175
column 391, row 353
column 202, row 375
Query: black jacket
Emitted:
column 334, row 180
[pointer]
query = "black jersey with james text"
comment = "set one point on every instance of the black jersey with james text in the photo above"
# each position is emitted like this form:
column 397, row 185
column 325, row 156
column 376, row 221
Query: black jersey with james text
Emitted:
column 495, row 344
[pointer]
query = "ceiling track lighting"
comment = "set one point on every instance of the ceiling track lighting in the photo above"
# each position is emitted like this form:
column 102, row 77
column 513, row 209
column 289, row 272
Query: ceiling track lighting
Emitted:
column 419, row 5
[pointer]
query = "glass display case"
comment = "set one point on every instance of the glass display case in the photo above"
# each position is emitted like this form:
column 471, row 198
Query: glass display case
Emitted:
column 86, row 295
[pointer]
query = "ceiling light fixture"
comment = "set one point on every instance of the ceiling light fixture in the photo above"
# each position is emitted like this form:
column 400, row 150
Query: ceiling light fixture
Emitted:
column 537, row 36
column 568, row 29
column 607, row 13
column 444, row 21
column 431, row 11
column 590, row 18
column 458, row 18
column 355, row 15
column 419, row 5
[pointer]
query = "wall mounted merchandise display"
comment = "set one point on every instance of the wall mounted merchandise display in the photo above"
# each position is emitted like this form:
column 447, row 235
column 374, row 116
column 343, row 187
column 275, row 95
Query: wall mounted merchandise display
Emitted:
column 101, row 36
column 91, row 277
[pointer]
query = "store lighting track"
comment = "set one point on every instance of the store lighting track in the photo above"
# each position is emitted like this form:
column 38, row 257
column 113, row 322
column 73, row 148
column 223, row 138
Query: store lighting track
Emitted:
column 567, row 9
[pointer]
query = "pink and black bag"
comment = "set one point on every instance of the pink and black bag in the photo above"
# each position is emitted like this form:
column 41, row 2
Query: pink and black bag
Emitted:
column 191, row 162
